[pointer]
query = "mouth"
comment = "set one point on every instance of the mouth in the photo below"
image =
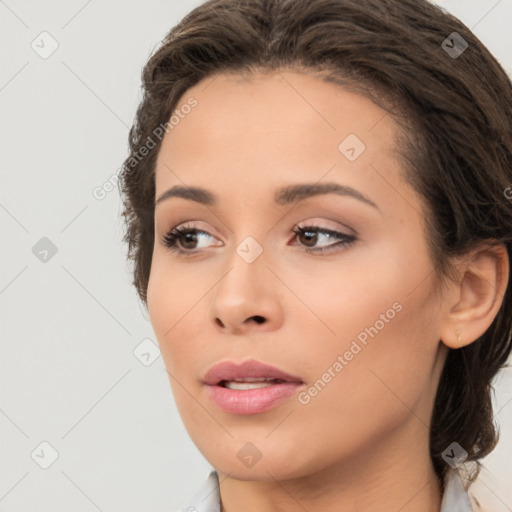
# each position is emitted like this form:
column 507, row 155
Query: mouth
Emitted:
column 250, row 387
column 250, row 371
column 249, row 383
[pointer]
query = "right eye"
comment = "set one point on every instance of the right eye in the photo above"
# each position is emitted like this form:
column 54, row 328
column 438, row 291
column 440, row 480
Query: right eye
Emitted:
column 186, row 237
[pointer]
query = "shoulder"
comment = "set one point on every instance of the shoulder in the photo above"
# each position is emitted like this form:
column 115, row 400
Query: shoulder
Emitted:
column 456, row 497
column 207, row 498
column 489, row 493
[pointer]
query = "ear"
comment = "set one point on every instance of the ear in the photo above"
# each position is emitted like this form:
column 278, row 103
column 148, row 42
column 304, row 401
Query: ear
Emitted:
column 476, row 297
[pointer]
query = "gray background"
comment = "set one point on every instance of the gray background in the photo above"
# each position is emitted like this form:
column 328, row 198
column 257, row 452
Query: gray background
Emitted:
column 69, row 376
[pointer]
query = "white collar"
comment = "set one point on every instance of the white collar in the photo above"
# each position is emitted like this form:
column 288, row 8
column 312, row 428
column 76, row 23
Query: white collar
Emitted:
column 207, row 499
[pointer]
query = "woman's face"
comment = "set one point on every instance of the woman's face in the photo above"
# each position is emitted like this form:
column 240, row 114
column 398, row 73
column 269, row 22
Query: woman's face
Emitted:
column 354, row 317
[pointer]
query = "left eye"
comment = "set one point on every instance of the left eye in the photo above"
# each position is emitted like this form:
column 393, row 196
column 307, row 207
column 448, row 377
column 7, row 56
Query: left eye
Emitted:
column 187, row 236
column 311, row 234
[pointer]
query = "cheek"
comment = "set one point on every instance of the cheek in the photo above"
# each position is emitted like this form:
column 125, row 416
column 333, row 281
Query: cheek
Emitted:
column 175, row 305
column 375, row 346
column 356, row 401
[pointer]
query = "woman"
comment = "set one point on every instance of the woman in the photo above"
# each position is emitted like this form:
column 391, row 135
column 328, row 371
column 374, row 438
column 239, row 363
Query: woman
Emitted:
column 318, row 208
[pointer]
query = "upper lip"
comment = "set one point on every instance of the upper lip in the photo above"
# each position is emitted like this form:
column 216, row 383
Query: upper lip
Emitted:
column 229, row 370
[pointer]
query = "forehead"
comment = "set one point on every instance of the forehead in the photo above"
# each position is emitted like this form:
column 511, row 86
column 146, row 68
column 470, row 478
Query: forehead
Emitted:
column 278, row 128
column 300, row 105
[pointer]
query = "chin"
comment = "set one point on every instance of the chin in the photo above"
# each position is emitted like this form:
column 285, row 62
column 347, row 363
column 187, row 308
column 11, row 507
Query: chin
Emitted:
column 261, row 461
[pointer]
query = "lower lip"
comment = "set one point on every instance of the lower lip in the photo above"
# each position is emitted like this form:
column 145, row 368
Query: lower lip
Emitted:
column 252, row 401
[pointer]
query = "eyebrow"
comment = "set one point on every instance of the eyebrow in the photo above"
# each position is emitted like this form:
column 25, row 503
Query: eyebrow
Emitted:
column 283, row 196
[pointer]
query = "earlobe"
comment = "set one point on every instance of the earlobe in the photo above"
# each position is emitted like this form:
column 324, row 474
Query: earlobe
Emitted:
column 479, row 295
column 455, row 340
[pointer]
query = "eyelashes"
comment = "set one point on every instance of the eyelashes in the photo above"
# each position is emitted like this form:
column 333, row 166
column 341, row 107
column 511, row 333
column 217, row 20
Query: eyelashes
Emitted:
column 311, row 233
column 343, row 240
column 174, row 235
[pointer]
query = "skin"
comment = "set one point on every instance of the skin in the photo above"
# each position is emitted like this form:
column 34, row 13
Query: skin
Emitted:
column 362, row 442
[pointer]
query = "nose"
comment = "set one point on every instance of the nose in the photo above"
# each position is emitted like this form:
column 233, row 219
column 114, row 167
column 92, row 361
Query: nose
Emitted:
column 247, row 299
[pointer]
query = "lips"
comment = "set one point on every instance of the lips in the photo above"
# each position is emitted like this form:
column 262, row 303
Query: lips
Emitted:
column 249, row 388
column 246, row 371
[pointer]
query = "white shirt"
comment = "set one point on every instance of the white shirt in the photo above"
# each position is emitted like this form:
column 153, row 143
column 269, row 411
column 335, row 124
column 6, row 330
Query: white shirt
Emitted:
column 207, row 499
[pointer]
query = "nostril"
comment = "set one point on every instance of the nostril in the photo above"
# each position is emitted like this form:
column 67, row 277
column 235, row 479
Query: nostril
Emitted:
column 258, row 319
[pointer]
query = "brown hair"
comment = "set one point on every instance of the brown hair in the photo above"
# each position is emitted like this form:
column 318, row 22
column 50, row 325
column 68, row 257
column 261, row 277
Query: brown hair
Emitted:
column 456, row 142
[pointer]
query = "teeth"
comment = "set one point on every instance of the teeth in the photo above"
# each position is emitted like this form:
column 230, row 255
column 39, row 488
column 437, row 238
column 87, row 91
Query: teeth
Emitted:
column 248, row 384
column 251, row 379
